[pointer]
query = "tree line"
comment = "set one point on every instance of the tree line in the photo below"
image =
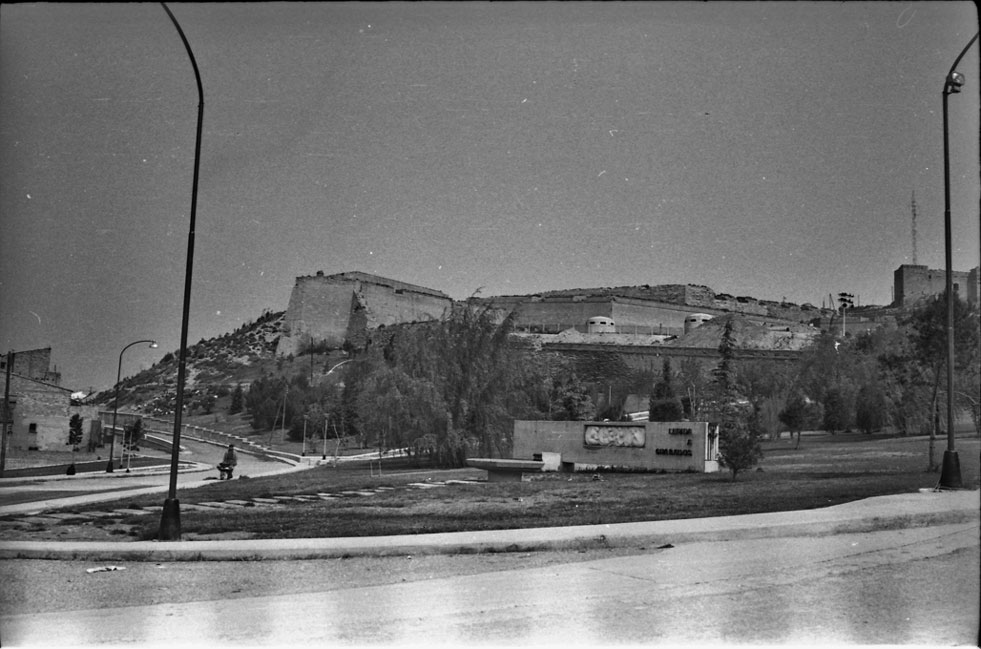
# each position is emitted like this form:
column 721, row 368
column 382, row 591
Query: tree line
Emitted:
column 449, row 389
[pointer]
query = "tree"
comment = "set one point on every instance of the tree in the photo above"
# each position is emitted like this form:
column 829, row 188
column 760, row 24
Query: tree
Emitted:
column 870, row 408
column 74, row 431
column 798, row 414
column 836, row 410
column 573, row 403
column 725, row 372
column 765, row 384
column 694, row 376
column 238, row 400
column 927, row 328
column 133, row 434
column 739, row 438
column 74, row 438
column 664, row 405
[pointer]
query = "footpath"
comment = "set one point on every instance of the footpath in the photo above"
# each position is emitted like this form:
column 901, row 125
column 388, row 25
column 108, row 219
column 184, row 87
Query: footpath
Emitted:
column 923, row 508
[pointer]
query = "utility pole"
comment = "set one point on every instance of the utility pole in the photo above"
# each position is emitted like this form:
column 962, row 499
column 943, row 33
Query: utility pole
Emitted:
column 847, row 301
column 8, row 414
column 912, row 206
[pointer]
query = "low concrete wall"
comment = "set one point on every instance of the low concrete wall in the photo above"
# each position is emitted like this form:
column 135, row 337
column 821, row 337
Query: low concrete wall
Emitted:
column 642, row 445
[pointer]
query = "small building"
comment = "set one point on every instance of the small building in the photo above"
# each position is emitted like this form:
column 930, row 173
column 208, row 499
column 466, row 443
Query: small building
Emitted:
column 40, row 415
column 40, row 408
column 632, row 446
column 601, row 325
column 696, row 320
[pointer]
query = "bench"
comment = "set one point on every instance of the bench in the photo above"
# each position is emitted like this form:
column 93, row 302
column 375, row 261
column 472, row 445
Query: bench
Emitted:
column 499, row 470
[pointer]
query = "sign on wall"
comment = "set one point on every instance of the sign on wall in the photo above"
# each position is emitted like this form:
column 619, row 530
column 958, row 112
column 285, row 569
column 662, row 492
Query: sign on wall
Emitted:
column 615, row 436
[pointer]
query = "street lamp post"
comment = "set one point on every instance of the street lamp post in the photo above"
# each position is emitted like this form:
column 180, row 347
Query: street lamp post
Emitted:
column 303, row 453
column 170, row 519
column 327, row 419
column 115, row 403
column 950, row 474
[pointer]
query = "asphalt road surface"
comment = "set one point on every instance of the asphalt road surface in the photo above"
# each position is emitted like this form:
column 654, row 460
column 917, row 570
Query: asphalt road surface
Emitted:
column 29, row 490
column 913, row 586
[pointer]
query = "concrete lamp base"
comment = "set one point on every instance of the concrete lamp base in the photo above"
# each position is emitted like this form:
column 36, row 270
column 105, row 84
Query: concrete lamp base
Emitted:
column 950, row 473
column 170, row 521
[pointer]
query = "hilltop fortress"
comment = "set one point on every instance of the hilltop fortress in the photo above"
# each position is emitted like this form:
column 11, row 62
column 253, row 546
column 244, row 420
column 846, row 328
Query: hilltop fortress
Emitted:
column 334, row 310
column 339, row 309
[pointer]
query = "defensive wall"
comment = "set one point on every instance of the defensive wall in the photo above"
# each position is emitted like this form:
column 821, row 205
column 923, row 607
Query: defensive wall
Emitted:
column 651, row 358
column 334, row 309
column 642, row 310
column 912, row 283
column 641, row 445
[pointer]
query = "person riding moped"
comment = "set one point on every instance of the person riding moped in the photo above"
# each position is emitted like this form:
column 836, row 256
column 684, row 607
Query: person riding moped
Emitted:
column 228, row 463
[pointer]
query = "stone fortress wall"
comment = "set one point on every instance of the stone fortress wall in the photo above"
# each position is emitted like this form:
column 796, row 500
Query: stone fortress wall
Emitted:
column 912, row 283
column 342, row 308
column 334, row 309
column 644, row 309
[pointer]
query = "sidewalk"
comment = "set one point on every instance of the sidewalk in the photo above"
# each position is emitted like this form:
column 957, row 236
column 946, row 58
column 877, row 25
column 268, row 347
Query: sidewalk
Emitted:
column 918, row 509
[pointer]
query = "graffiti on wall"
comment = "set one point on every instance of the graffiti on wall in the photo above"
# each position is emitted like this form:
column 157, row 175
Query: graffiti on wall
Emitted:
column 617, row 436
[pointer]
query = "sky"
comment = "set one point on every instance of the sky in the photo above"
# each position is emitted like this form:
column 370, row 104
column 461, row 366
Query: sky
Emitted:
column 762, row 149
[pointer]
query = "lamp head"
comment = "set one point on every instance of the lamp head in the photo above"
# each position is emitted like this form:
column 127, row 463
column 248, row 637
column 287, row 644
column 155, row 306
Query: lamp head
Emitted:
column 954, row 82
column 153, row 344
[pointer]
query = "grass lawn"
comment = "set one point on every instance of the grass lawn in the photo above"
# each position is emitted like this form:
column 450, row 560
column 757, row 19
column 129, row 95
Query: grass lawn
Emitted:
column 826, row 470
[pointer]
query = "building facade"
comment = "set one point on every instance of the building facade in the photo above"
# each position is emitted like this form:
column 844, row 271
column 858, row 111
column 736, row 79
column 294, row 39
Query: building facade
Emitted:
column 40, row 410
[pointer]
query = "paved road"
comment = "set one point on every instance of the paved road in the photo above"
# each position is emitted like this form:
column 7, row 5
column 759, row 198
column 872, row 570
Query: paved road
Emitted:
column 31, row 493
column 912, row 586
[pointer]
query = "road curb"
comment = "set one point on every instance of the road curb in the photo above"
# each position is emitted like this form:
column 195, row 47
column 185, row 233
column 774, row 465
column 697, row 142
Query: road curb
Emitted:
column 886, row 512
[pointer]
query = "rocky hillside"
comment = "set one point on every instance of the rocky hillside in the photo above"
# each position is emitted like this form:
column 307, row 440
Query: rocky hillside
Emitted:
column 214, row 367
column 217, row 365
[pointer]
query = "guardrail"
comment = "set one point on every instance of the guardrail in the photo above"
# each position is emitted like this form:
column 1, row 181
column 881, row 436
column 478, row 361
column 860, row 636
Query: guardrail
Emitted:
column 159, row 426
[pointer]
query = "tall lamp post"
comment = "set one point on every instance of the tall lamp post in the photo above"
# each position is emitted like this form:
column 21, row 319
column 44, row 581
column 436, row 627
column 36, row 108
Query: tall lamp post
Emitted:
column 327, row 419
column 115, row 403
column 170, row 519
column 950, row 474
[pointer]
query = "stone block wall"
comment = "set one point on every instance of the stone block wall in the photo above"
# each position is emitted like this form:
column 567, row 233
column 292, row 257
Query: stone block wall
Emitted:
column 333, row 309
column 912, row 283
column 40, row 415
column 33, row 364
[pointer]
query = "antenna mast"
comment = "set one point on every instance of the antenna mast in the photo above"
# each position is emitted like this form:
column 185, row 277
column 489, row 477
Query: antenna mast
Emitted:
column 912, row 206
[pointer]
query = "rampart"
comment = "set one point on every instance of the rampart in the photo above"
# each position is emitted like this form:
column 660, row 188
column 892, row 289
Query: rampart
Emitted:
column 334, row 309
column 646, row 310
